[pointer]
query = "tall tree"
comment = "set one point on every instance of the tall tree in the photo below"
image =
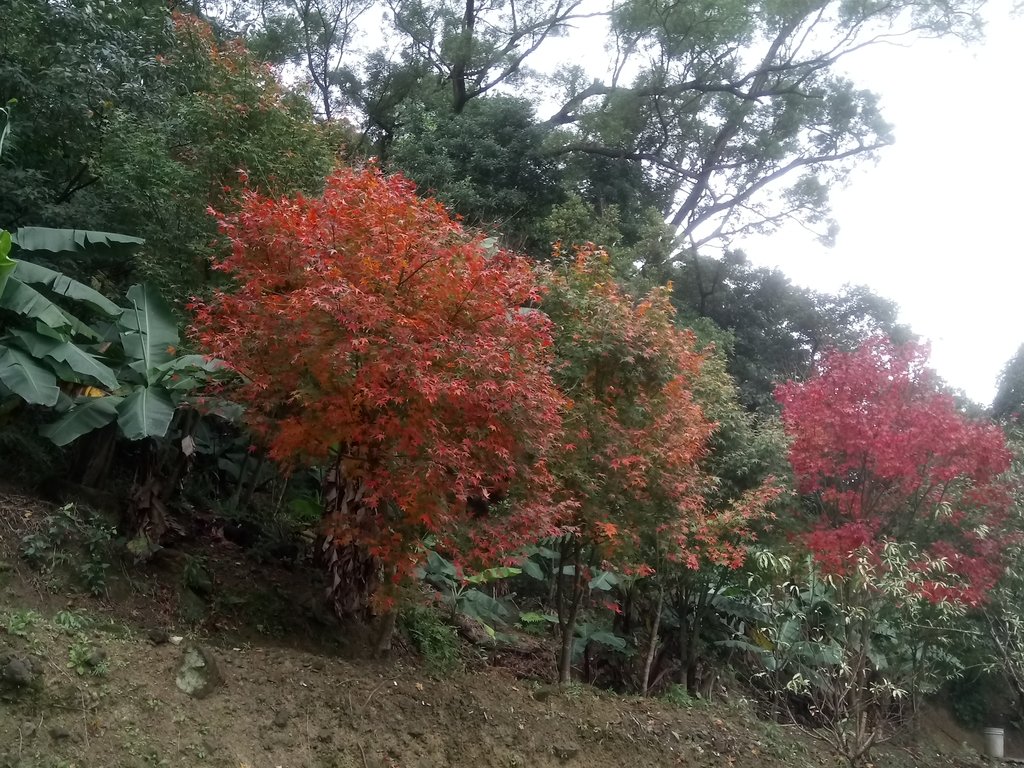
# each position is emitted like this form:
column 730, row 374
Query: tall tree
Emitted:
column 375, row 335
column 69, row 66
column 1010, row 394
column 315, row 35
column 737, row 107
column 473, row 46
column 486, row 163
column 779, row 329
column 886, row 456
column 132, row 118
column 904, row 494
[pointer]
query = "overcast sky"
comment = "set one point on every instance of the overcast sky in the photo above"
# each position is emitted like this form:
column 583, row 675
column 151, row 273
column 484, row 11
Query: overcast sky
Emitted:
column 935, row 224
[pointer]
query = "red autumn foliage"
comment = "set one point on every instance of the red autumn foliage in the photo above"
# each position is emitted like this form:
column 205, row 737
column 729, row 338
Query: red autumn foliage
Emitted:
column 888, row 456
column 367, row 321
column 631, row 468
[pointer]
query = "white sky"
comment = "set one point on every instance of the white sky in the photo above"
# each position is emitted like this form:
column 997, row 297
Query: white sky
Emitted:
column 934, row 225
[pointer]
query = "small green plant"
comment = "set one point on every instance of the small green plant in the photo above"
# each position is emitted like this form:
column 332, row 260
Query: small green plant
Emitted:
column 432, row 638
column 678, row 696
column 73, row 538
column 71, row 622
column 470, row 595
column 20, row 623
column 86, row 659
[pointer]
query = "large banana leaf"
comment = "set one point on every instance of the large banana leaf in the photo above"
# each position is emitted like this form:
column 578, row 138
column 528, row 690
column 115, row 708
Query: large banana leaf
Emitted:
column 6, row 264
column 68, row 240
column 150, row 332
column 75, row 357
column 25, row 300
column 146, row 412
column 65, row 286
column 191, row 362
column 82, row 419
column 28, row 379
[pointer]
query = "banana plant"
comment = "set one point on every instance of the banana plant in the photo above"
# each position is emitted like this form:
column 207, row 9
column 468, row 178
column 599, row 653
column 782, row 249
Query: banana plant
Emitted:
column 61, row 332
column 44, row 342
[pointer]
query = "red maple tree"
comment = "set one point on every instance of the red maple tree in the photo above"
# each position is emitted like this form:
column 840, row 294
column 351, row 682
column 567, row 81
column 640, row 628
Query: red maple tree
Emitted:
column 889, row 457
column 373, row 333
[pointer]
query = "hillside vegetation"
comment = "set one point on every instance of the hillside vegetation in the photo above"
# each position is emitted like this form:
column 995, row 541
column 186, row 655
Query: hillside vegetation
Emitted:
column 450, row 432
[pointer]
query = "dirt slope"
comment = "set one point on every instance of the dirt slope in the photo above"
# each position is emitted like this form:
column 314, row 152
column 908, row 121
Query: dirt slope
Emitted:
column 100, row 691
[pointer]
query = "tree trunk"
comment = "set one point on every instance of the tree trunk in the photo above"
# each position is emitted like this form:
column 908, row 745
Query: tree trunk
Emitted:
column 567, row 619
column 652, row 645
column 179, row 462
column 692, row 683
column 96, row 453
column 462, row 59
column 683, row 607
column 387, row 631
column 354, row 572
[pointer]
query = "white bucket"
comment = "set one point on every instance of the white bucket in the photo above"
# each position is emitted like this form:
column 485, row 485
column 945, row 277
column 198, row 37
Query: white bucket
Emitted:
column 994, row 742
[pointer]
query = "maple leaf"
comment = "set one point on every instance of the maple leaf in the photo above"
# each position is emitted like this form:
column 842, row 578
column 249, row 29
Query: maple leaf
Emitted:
column 367, row 318
column 889, row 457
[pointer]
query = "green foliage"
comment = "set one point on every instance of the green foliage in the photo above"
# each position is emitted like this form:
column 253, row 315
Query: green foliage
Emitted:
column 69, row 538
column 127, row 354
column 834, row 647
column 1009, row 397
column 20, row 623
column 679, row 696
column 776, row 330
column 85, row 659
column 71, row 623
column 467, row 594
column 139, row 125
column 434, row 639
column 485, row 163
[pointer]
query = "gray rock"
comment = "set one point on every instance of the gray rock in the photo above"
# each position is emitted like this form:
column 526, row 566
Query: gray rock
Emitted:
column 97, row 658
column 17, row 672
column 198, row 674
column 59, row 733
column 281, row 718
column 159, row 637
column 199, row 580
column 566, row 750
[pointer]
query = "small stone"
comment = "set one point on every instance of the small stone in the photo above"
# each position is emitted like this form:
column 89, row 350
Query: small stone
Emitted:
column 159, row 637
column 566, row 751
column 281, row 719
column 176, row 639
column 17, row 673
column 198, row 675
column 97, row 658
column 59, row 733
column 199, row 580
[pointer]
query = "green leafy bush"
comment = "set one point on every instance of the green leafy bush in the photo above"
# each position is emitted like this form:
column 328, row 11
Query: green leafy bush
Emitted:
column 70, row 537
column 433, row 638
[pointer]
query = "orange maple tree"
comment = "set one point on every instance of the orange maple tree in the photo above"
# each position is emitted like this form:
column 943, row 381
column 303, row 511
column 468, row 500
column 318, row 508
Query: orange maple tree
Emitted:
column 630, row 471
column 374, row 334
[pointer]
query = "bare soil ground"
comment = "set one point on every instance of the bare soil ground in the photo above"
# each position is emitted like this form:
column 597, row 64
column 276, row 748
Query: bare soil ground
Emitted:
column 103, row 689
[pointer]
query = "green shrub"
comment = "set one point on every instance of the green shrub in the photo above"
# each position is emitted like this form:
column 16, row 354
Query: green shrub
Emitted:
column 432, row 638
column 70, row 537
